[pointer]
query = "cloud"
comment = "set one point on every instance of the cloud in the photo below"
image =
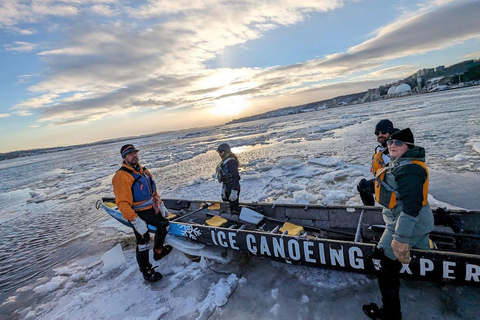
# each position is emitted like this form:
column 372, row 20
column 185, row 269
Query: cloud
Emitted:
column 20, row 46
column 4, row 115
column 427, row 31
column 398, row 72
column 155, row 55
column 13, row 12
column 474, row 55
column 104, row 10
column 24, row 78
column 37, row 102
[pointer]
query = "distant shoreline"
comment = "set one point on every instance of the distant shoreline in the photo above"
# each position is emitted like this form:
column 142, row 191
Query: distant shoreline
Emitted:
column 309, row 107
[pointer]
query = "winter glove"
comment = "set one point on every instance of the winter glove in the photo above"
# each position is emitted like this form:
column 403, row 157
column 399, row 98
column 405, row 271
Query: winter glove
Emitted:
column 163, row 210
column 233, row 195
column 401, row 251
column 139, row 225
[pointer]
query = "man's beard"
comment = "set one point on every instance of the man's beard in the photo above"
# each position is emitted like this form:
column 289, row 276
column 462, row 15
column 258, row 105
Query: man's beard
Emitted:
column 382, row 141
column 132, row 164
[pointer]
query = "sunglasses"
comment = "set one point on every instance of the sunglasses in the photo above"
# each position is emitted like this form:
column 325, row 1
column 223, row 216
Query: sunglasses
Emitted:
column 382, row 132
column 398, row 143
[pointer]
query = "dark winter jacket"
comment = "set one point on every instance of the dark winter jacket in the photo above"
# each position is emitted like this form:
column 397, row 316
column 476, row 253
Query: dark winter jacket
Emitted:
column 227, row 173
column 410, row 218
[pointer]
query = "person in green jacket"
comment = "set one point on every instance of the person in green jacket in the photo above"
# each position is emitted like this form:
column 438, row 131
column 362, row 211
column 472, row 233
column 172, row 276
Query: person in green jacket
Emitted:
column 401, row 187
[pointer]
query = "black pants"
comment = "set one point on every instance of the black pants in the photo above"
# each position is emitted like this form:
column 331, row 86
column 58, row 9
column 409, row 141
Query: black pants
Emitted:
column 143, row 242
column 389, row 284
column 234, row 205
column 366, row 189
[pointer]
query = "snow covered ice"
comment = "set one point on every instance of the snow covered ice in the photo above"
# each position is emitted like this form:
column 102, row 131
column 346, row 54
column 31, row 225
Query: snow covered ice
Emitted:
column 60, row 258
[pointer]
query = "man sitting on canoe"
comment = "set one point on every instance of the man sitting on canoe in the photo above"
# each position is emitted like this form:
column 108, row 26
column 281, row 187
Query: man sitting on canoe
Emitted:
column 383, row 130
column 137, row 199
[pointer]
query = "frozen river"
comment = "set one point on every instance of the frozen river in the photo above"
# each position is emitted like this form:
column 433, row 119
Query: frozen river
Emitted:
column 48, row 218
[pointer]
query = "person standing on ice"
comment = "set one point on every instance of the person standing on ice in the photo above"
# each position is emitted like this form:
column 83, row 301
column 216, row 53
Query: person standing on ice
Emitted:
column 227, row 174
column 402, row 189
column 137, row 199
column 383, row 130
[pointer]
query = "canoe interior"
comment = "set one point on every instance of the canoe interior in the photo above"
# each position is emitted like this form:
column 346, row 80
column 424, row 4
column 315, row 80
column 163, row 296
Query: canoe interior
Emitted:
column 455, row 230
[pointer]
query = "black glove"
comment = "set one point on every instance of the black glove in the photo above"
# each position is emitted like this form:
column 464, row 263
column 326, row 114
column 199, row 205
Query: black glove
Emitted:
column 165, row 223
column 366, row 186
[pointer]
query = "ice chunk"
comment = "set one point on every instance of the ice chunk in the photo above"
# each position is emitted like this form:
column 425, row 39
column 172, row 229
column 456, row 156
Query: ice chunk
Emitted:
column 290, row 163
column 53, row 285
column 275, row 309
column 113, row 259
column 326, row 162
column 218, row 295
column 304, row 197
column 476, row 147
column 274, row 293
column 294, row 187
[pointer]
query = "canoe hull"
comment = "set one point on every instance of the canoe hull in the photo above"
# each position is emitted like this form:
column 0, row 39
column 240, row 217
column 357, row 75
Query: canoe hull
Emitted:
column 433, row 265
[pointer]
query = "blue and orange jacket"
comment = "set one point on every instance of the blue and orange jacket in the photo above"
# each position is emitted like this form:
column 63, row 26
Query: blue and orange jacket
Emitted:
column 134, row 190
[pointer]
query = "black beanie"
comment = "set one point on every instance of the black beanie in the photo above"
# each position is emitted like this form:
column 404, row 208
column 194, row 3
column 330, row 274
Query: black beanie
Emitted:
column 224, row 147
column 384, row 125
column 404, row 135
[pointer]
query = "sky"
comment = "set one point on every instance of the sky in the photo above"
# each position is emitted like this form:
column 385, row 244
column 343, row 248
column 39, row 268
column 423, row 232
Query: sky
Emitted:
column 79, row 71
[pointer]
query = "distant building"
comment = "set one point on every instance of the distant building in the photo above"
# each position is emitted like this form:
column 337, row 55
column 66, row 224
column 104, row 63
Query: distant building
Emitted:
column 424, row 72
column 372, row 95
column 399, row 91
column 403, row 90
column 419, row 84
column 391, row 92
column 439, row 68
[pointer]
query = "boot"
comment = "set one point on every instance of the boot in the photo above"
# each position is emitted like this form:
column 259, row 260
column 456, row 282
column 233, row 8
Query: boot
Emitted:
column 389, row 283
column 165, row 251
column 151, row 275
column 373, row 311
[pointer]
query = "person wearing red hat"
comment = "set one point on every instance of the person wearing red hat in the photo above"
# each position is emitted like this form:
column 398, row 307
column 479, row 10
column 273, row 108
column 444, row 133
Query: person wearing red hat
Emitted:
column 137, row 199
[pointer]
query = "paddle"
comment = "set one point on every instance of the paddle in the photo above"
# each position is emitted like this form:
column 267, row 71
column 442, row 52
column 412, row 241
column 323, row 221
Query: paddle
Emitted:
column 358, row 234
column 250, row 216
column 256, row 217
column 204, row 206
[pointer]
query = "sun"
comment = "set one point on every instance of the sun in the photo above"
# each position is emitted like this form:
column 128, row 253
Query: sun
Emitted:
column 230, row 106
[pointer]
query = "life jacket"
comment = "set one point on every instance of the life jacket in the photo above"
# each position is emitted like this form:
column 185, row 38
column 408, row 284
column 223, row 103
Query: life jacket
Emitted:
column 223, row 174
column 386, row 195
column 377, row 161
column 143, row 189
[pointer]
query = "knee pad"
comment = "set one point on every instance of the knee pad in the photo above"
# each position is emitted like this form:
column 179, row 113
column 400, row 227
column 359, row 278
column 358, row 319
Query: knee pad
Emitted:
column 143, row 247
column 382, row 263
column 143, row 244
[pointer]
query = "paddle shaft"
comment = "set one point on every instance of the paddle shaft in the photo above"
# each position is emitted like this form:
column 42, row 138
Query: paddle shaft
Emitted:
column 205, row 206
column 358, row 234
column 344, row 233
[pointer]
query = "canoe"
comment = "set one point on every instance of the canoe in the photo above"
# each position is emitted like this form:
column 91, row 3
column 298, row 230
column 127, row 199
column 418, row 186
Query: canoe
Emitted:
column 340, row 237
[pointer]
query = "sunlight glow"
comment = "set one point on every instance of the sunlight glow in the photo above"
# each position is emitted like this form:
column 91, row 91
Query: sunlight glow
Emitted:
column 230, row 106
